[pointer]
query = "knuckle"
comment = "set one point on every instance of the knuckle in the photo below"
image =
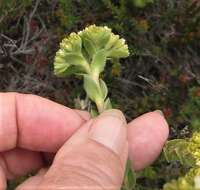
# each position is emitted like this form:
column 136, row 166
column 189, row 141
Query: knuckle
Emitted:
column 93, row 165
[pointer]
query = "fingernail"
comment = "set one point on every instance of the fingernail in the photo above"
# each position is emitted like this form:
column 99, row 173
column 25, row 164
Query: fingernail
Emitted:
column 109, row 129
column 160, row 112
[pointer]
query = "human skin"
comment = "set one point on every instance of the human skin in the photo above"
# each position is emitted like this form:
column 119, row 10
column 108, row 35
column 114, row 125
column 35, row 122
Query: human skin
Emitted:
column 89, row 153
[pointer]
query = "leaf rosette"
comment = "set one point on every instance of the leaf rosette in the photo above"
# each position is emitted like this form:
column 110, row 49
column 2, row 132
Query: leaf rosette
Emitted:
column 85, row 53
column 187, row 152
column 191, row 181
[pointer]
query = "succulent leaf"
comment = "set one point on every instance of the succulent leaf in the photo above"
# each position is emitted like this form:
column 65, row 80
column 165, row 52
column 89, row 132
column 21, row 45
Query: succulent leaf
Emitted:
column 103, row 38
column 104, row 89
column 107, row 104
column 91, row 88
column 177, row 150
column 119, row 53
column 60, row 69
column 187, row 151
column 189, row 182
column 89, row 47
column 64, row 61
column 73, row 43
column 98, row 62
column 97, row 35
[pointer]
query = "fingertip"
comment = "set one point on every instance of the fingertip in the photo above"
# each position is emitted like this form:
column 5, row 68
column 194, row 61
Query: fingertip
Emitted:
column 31, row 160
column 147, row 135
column 116, row 113
column 161, row 123
column 110, row 130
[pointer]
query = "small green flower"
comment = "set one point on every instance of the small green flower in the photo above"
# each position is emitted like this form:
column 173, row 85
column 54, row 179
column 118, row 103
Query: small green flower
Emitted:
column 69, row 58
column 194, row 147
column 189, row 182
column 85, row 53
column 187, row 151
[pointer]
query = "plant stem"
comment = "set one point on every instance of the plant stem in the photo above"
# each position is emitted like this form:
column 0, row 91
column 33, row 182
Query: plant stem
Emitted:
column 100, row 102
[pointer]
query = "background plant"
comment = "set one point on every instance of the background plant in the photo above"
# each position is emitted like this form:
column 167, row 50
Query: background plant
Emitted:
column 187, row 152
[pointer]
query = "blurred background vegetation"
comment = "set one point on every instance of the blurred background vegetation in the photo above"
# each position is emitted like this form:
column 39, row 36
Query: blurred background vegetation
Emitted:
column 163, row 71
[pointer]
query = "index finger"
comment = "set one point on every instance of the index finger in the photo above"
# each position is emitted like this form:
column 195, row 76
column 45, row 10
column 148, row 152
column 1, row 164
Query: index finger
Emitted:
column 35, row 123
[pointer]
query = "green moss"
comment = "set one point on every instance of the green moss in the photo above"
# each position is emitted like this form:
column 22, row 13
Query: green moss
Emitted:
column 190, row 110
column 66, row 14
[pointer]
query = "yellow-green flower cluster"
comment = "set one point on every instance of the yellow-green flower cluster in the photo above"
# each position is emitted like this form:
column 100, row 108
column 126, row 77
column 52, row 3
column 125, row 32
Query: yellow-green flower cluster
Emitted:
column 194, row 147
column 69, row 58
column 191, row 181
column 85, row 53
column 97, row 38
column 77, row 51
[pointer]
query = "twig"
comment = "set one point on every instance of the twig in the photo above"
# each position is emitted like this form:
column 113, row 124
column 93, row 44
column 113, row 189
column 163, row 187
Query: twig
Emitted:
column 34, row 9
column 26, row 30
column 128, row 82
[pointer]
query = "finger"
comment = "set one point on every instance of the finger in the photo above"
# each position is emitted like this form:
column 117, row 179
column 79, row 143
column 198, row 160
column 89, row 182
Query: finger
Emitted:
column 2, row 179
column 146, row 135
column 93, row 158
column 18, row 162
column 83, row 114
column 35, row 123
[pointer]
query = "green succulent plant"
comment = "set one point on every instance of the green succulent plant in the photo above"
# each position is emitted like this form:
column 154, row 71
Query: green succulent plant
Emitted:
column 187, row 151
column 85, row 53
column 191, row 181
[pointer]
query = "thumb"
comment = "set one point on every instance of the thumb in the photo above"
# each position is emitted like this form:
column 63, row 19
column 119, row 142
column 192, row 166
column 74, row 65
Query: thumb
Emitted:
column 93, row 158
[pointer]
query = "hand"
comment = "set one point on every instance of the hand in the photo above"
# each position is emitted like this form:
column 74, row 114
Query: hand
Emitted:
column 90, row 153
